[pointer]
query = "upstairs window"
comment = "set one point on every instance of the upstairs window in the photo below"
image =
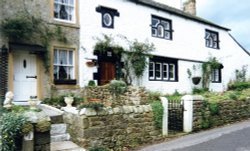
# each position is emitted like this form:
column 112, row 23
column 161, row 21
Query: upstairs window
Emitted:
column 161, row 28
column 163, row 69
column 212, row 39
column 108, row 15
column 64, row 66
column 64, row 10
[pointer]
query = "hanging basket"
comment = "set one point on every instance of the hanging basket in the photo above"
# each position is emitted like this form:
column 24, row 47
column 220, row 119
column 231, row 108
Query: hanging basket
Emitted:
column 90, row 64
column 196, row 80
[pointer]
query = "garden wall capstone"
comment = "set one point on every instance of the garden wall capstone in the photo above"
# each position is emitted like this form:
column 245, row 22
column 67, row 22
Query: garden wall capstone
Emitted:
column 222, row 112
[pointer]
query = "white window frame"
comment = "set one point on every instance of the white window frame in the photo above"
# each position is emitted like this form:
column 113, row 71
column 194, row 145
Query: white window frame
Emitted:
column 160, row 71
column 173, row 71
column 161, row 28
column 215, row 77
column 70, row 73
column 212, row 39
column 152, row 70
column 71, row 9
column 165, row 72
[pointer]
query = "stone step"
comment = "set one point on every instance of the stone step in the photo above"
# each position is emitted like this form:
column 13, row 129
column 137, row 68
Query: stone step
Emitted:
column 65, row 146
column 58, row 129
column 60, row 137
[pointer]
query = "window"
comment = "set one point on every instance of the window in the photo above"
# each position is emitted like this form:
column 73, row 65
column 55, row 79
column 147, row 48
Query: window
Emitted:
column 162, row 69
column 212, row 39
column 108, row 15
column 161, row 28
column 64, row 66
column 216, row 76
column 64, row 10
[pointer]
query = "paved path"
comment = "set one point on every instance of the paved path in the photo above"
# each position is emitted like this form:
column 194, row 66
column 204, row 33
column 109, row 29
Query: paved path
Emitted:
column 198, row 138
column 65, row 146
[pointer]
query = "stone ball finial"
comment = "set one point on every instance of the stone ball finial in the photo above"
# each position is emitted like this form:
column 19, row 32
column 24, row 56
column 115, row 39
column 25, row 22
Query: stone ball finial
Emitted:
column 8, row 99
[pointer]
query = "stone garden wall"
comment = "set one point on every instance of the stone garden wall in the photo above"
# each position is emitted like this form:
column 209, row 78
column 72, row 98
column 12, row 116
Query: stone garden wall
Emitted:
column 207, row 115
column 125, row 121
column 124, row 126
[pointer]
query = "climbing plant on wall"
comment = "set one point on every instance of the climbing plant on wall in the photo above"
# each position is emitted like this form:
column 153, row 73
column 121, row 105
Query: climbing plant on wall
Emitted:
column 134, row 57
column 26, row 27
column 207, row 68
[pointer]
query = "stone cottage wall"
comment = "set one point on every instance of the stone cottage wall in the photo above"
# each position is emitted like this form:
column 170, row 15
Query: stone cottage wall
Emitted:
column 228, row 112
column 124, row 126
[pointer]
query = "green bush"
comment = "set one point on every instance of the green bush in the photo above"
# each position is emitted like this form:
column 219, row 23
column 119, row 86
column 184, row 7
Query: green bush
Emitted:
column 99, row 149
column 153, row 96
column 117, row 87
column 238, row 85
column 94, row 105
column 11, row 131
column 199, row 90
column 158, row 113
column 214, row 108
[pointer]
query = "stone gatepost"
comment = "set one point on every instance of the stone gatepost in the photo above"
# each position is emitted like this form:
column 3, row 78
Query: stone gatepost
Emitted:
column 188, row 101
column 164, row 102
column 39, row 139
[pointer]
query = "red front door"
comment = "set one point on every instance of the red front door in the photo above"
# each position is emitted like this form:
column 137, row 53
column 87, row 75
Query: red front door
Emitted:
column 107, row 72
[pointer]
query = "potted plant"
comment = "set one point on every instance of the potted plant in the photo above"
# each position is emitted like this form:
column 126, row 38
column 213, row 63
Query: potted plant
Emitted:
column 193, row 75
column 69, row 99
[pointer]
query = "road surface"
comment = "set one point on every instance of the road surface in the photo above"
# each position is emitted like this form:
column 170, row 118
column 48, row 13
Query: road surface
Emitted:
column 235, row 137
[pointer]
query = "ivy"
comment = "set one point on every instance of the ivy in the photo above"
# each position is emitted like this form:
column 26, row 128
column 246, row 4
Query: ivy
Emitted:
column 158, row 113
column 207, row 68
column 25, row 27
column 135, row 57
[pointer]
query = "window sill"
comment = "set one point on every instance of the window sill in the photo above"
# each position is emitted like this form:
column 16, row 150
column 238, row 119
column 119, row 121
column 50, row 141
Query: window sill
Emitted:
column 66, row 23
column 65, row 82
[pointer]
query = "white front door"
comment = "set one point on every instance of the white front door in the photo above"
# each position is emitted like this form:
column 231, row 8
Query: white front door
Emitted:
column 25, row 77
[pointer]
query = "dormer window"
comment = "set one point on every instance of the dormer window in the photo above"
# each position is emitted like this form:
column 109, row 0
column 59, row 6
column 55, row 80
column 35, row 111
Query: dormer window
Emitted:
column 108, row 15
column 212, row 39
column 64, row 10
column 161, row 28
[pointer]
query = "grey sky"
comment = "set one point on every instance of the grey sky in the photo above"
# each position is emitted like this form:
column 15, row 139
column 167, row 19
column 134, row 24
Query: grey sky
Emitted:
column 233, row 14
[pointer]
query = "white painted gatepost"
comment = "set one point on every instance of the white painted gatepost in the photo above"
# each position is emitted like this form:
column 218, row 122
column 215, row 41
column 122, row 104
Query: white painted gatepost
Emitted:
column 187, row 102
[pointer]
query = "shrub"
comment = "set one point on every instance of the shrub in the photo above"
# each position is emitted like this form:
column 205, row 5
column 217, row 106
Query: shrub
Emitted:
column 199, row 90
column 11, row 131
column 158, row 113
column 153, row 96
column 99, row 149
column 117, row 87
column 238, row 85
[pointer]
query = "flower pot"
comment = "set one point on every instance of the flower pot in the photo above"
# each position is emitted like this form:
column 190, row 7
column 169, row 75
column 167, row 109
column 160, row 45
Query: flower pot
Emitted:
column 196, row 80
column 68, row 100
column 33, row 104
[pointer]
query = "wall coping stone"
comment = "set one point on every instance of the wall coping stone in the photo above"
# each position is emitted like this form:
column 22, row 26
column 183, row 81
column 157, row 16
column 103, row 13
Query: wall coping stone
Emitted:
column 108, row 110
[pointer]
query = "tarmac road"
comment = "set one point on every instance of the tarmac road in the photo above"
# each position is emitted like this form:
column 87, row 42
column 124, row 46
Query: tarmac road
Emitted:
column 235, row 137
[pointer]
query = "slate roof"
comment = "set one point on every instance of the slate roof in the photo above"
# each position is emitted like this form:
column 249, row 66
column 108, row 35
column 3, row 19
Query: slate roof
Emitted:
column 177, row 12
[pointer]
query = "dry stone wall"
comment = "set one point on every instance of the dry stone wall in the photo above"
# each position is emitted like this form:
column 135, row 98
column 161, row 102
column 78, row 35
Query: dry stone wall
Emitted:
column 228, row 112
column 126, row 121
column 124, row 126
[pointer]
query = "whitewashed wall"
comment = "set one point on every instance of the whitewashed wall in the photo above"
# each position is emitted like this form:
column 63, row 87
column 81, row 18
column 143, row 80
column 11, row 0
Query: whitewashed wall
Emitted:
column 188, row 42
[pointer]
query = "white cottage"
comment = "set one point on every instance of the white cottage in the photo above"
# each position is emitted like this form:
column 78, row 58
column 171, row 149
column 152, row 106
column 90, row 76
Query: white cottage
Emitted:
column 181, row 39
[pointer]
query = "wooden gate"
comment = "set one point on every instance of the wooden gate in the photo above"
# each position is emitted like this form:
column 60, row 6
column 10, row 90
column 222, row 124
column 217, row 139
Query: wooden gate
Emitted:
column 175, row 116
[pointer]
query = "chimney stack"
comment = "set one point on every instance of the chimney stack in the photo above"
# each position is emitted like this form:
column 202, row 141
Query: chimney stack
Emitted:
column 190, row 7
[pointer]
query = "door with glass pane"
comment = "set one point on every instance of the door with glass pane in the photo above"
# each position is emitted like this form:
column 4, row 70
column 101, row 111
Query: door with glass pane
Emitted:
column 25, row 76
